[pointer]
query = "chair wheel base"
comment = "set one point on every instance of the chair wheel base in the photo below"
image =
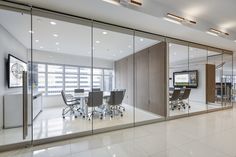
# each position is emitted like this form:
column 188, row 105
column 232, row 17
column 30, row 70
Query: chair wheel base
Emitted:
column 121, row 115
column 63, row 117
column 75, row 116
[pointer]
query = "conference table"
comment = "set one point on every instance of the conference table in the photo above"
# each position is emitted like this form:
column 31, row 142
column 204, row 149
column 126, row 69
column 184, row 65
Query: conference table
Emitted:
column 83, row 96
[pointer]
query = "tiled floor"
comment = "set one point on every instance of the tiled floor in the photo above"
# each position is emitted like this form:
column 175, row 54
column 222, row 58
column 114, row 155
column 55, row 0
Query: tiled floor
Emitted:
column 207, row 135
column 50, row 123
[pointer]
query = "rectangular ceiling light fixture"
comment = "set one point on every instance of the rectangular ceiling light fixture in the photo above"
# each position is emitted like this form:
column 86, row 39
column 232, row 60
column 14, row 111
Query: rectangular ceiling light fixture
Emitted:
column 180, row 19
column 218, row 32
column 132, row 2
column 136, row 2
column 115, row 2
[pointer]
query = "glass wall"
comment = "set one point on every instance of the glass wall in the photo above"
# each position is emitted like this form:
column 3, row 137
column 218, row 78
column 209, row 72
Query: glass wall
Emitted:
column 215, row 59
column 197, row 63
column 62, row 66
column 88, row 77
column 200, row 78
column 114, row 46
column 15, row 89
column 150, row 64
column 178, row 78
column 227, row 80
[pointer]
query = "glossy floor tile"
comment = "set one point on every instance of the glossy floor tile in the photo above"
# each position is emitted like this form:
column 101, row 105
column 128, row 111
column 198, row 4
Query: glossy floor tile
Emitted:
column 49, row 123
column 207, row 135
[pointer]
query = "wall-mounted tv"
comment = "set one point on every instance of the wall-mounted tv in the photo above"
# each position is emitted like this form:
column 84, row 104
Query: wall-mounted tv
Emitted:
column 188, row 79
column 15, row 70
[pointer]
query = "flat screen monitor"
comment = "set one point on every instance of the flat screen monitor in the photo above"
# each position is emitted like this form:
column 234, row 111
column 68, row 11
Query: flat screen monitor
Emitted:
column 187, row 79
column 15, row 71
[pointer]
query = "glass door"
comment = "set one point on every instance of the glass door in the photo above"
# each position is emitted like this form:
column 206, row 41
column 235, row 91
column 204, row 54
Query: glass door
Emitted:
column 15, row 82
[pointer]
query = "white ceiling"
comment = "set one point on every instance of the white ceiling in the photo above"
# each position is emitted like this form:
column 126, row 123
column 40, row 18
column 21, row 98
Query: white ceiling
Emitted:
column 72, row 38
column 149, row 17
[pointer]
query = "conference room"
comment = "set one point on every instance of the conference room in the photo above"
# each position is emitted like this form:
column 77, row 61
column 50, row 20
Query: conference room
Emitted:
column 83, row 77
column 200, row 78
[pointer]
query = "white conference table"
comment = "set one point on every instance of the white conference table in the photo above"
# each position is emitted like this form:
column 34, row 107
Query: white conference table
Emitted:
column 83, row 96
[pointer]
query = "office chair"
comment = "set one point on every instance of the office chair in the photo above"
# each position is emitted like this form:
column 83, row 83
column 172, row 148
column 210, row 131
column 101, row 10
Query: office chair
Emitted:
column 184, row 96
column 95, row 99
column 71, row 104
column 124, row 90
column 173, row 99
column 115, row 102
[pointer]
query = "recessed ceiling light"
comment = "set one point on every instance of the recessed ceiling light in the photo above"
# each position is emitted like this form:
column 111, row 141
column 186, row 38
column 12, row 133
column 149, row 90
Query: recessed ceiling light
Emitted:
column 234, row 40
column 53, row 23
column 57, row 43
column 129, row 46
column 121, row 51
column 104, row 33
column 31, row 31
column 170, row 45
column 55, row 35
column 141, row 39
column 36, row 40
column 97, row 41
column 41, row 47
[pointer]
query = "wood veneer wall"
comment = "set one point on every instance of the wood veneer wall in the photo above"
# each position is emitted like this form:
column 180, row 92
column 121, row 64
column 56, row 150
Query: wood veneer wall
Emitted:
column 150, row 78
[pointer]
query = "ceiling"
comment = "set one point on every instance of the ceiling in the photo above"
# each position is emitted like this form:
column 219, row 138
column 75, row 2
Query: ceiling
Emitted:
column 212, row 13
column 217, row 13
column 70, row 38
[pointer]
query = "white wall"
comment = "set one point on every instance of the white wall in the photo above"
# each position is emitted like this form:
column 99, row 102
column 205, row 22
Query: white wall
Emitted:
column 197, row 94
column 8, row 44
column 60, row 58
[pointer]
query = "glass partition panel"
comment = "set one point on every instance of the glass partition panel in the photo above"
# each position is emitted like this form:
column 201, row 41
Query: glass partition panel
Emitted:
column 227, row 80
column 150, row 79
column 178, row 79
column 214, row 73
column 15, row 87
column 197, row 79
column 62, row 72
column 112, row 79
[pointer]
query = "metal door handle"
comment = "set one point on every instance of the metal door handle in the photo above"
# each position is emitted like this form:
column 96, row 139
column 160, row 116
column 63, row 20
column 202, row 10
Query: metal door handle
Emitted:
column 25, row 104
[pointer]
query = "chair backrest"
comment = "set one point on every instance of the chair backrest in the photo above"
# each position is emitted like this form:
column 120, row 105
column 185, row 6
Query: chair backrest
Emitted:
column 175, row 95
column 116, row 97
column 124, row 91
column 79, row 90
column 186, row 94
column 64, row 96
column 95, row 99
column 96, row 89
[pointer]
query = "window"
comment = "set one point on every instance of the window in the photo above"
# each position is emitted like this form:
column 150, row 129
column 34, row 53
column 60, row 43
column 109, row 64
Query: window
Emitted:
column 85, row 79
column 71, row 78
column 51, row 79
column 55, row 79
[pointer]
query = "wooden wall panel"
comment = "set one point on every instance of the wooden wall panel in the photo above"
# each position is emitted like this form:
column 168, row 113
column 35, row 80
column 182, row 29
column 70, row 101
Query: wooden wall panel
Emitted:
column 210, row 83
column 157, row 79
column 150, row 78
column 141, row 79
